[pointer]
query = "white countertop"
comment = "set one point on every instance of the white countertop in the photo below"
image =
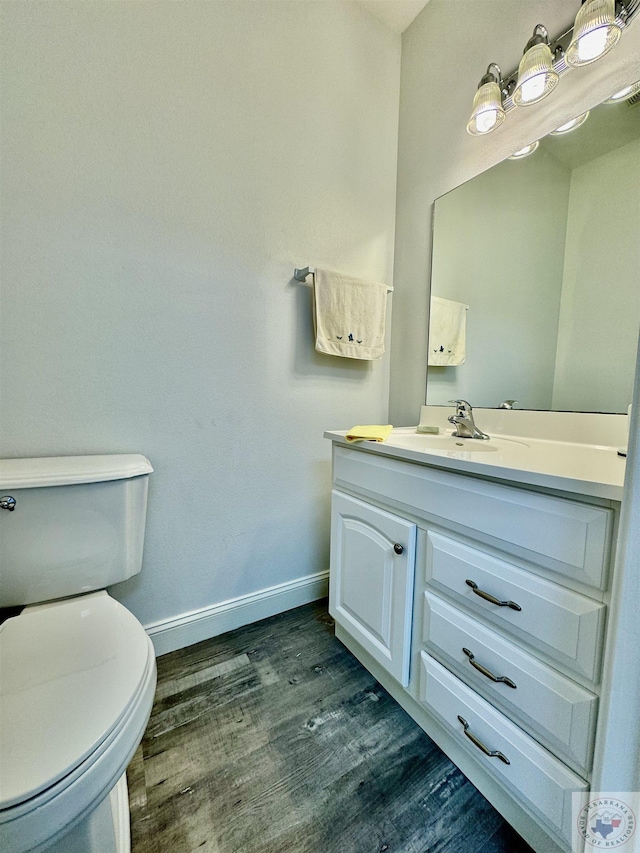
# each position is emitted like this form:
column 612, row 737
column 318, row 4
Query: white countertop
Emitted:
column 582, row 469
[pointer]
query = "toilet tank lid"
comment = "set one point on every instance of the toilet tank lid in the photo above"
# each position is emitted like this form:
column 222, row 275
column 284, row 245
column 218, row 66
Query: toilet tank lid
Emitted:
column 70, row 470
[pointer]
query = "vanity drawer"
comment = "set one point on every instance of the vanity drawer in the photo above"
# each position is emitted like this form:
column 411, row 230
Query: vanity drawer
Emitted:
column 562, row 624
column 555, row 710
column 533, row 775
column 564, row 536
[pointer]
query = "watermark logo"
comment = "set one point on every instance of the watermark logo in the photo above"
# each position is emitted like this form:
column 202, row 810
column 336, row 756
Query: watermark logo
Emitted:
column 607, row 821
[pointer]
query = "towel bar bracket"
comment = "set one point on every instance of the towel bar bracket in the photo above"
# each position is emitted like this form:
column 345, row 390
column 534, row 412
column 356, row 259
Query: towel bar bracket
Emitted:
column 301, row 275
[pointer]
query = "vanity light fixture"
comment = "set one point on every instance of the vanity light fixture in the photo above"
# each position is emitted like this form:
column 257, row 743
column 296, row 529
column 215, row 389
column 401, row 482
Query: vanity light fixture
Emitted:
column 598, row 27
column 487, row 112
column 595, row 32
column 568, row 126
column 524, row 152
column 624, row 94
column 537, row 77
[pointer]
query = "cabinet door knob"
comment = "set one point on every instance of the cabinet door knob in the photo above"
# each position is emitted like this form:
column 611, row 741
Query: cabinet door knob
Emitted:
column 398, row 548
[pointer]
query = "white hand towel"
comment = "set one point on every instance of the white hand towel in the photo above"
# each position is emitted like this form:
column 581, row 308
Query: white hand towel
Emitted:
column 349, row 315
column 447, row 332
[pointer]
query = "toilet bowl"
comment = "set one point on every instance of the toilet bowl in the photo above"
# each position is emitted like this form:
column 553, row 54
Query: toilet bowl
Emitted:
column 78, row 678
column 78, row 670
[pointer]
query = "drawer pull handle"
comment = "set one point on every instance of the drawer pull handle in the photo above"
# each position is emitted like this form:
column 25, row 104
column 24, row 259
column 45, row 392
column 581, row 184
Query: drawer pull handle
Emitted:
column 488, row 673
column 492, row 753
column 491, row 598
column 398, row 548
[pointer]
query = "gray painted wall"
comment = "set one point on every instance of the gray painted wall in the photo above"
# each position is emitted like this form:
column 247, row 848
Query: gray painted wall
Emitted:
column 165, row 166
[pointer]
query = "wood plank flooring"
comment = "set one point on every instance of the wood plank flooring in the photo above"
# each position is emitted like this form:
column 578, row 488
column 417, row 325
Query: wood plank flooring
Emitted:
column 274, row 739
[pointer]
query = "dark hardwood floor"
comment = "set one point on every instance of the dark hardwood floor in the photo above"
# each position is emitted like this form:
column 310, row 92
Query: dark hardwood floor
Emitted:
column 274, row 739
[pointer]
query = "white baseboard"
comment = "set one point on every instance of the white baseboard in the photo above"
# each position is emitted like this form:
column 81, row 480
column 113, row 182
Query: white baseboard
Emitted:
column 180, row 631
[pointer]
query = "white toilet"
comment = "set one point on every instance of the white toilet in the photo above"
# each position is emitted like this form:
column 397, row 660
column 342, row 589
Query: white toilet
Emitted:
column 77, row 670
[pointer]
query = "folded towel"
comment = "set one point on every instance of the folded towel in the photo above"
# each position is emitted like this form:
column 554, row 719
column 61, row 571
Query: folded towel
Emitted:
column 369, row 433
column 349, row 315
column 447, row 332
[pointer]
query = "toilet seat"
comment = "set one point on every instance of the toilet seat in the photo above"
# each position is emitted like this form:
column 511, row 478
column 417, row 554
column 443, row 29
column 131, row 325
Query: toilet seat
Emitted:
column 76, row 693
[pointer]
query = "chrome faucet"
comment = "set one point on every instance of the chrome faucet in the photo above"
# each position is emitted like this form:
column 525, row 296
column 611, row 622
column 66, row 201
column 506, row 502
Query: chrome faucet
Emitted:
column 508, row 404
column 463, row 421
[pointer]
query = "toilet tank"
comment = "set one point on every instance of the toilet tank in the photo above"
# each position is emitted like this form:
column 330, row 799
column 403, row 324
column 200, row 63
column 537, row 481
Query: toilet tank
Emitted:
column 77, row 524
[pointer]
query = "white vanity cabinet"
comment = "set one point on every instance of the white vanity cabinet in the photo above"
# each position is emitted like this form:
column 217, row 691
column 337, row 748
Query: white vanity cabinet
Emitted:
column 486, row 623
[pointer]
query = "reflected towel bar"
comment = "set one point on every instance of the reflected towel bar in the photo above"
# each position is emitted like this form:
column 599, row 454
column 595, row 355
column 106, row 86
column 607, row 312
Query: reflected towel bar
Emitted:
column 302, row 274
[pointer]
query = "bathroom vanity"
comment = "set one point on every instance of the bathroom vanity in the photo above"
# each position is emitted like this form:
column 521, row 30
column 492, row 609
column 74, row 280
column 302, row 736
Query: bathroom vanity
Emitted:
column 473, row 579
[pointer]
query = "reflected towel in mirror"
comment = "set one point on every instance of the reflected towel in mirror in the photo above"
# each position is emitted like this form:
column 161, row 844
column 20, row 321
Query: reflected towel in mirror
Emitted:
column 447, row 332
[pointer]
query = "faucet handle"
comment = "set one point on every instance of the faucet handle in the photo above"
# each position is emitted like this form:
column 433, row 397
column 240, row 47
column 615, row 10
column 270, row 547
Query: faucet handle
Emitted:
column 463, row 408
column 508, row 404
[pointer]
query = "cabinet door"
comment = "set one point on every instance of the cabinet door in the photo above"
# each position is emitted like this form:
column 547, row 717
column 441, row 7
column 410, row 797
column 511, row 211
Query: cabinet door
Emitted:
column 371, row 580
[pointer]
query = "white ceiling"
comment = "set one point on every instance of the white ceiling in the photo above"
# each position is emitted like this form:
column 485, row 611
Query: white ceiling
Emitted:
column 397, row 14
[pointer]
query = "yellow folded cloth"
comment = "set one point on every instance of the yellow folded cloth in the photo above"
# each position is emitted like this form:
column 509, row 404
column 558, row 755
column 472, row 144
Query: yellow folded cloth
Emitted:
column 369, row 433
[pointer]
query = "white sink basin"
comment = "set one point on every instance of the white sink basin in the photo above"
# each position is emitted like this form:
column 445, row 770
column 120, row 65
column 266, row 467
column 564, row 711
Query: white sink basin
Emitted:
column 586, row 469
column 450, row 444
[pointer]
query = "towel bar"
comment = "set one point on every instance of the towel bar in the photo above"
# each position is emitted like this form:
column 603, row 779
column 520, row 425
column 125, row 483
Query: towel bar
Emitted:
column 301, row 275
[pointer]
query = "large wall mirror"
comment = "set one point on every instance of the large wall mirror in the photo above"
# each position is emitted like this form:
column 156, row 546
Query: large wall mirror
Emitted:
column 541, row 255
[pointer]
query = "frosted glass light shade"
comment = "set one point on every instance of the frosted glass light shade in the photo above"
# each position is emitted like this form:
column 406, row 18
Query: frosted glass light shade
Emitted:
column 624, row 94
column 524, row 152
column 568, row 126
column 595, row 32
column 536, row 76
column 487, row 113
